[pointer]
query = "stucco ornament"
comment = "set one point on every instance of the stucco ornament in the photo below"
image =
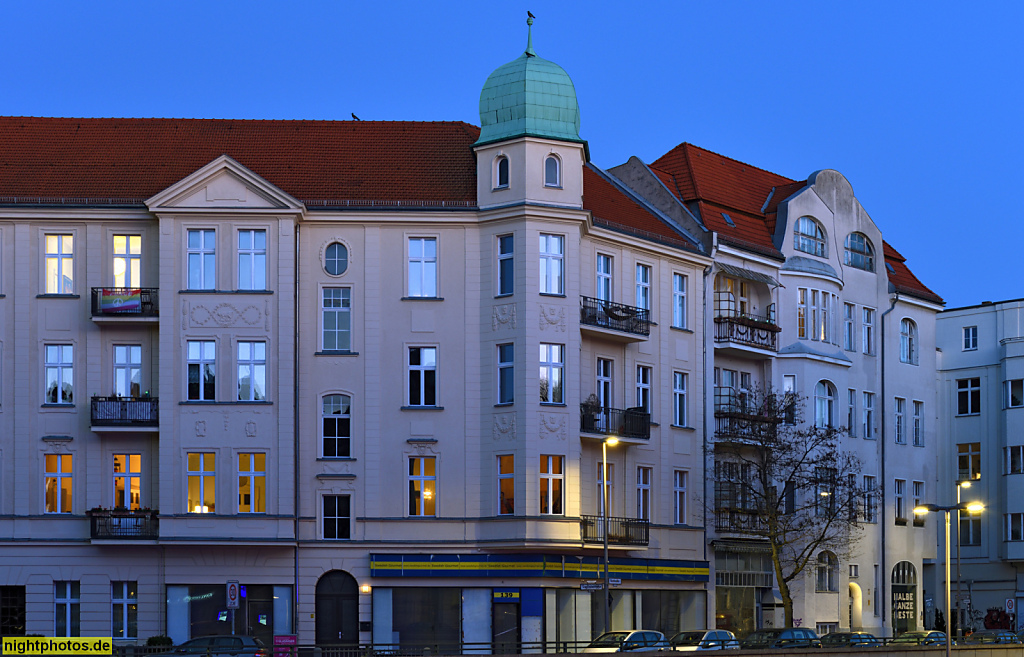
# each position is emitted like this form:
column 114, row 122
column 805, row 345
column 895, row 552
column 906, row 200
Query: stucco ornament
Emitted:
column 250, row 429
column 551, row 318
column 504, row 426
column 552, row 425
column 200, row 428
column 503, row 316
column 225, row 315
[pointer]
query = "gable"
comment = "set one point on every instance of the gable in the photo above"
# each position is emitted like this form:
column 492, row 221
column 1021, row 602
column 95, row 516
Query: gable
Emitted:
column 223, row 185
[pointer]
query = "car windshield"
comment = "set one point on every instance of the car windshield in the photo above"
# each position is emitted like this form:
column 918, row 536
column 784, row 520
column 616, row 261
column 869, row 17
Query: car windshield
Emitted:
column 761, row 637
column 908, row 637
column 610, row 639
column 687, row 638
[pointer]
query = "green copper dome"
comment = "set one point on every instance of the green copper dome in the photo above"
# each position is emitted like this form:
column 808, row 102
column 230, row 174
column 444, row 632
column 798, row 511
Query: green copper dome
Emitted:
column 529, row 96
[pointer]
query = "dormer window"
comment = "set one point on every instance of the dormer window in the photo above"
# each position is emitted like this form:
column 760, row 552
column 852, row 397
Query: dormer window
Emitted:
column 501, row 172
column 859, row 252
column 809, row 237
column 552, row 171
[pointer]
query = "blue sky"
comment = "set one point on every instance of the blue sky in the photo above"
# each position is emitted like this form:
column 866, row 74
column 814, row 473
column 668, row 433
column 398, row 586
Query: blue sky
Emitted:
column 918, row 104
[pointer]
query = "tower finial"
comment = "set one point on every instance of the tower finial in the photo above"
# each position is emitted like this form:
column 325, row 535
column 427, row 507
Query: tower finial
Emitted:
column 529, row 35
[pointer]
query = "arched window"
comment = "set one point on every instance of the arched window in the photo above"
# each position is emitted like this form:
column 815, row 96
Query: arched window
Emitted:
column 552, row 172
column 810, row 237
column 827, row 572
column 336, row 259
column 824, row 404
column 908, row 341
column 501, row 172
column 859, row 252
column 336, row 426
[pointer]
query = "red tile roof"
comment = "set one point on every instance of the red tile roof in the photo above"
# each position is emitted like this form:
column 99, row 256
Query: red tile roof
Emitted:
column 903, row 280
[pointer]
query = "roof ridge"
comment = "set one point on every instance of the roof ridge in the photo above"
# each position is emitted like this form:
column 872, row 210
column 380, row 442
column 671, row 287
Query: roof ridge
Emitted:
column 740, row 162
column 148, row 119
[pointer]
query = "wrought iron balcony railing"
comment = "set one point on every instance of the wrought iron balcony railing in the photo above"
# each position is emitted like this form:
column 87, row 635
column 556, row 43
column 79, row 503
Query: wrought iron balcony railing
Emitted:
column 735, row 325
column 738, row 520
column 125, row 302
column 616, row 316
column 628, row 423
column 123, row 524
column 125, row 411
column 621, row 531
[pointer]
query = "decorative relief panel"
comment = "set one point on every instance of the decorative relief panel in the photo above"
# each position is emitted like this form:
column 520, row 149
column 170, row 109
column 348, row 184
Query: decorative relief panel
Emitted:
column 551, row 318
column 224, row 315
column 553, row 426
column 200, row 428
column 504, row 427
column 250, row 429
column 503, row 316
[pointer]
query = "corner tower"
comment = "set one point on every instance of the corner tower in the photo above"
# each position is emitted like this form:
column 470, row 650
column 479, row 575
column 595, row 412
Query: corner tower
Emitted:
column 529, row 148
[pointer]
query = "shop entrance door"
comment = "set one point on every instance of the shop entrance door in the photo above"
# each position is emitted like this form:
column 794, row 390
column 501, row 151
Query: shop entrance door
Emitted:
column 337, row 609
column 506, row 628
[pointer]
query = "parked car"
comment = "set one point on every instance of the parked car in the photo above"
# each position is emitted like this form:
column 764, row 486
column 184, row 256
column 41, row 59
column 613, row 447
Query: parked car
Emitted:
column 629, row 641
column 704, row 640
column 921, row 638
column 223, row 645
column 847, row 639
column 991, row 636
column 781, row 637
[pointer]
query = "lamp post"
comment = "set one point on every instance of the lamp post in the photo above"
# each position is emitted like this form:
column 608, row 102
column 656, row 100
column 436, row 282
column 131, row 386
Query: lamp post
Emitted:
column 964, row 483
column 610, row 440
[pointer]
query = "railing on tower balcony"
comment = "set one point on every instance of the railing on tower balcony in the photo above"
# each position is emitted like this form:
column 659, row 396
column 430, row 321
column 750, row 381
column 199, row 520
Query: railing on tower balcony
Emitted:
column 616, row 316
column 737, row 418
column 628, row 423
column 125, row 302
column 123, row 523
column 621, row 531
column 125, row 411
column 739, row 520
column 734, row 324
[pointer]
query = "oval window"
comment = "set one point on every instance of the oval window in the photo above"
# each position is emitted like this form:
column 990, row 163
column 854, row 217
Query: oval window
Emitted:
column 336, row 259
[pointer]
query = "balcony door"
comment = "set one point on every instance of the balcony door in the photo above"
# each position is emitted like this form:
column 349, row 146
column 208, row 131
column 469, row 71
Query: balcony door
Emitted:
column 128, row 370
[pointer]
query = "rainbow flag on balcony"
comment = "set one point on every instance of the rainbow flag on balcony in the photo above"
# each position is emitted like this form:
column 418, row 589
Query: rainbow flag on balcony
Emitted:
column 119, row 300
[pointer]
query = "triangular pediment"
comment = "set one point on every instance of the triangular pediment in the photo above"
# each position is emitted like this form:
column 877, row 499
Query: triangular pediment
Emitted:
column 221, row 185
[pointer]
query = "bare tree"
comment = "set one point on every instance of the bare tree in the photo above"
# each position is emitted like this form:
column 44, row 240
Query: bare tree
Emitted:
column 786, row 481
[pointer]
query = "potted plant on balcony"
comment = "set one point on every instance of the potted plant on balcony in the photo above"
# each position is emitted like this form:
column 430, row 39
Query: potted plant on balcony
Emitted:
column 591, row 412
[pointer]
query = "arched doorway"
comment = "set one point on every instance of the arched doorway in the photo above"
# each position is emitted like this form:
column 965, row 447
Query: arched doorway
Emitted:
column 337, row 609
column 856, row 607
column 904, row 597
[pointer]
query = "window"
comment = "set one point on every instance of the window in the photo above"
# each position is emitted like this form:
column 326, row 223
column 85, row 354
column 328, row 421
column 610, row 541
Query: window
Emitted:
column 127, row 261
column 827, row 571
column 848, row 310
column 336, row 259
column 801, row 313
column 60, row 264
column 60, row 370
column 252, row 371
column 506, row 373
column 809, row 237
column 643, row 493
column 202, row 482
column 1014, row 527
column 917, row 488
column 859, row 253
column 67, row 602
column 825, row 489
column 124, row 610
column 868, row 330
column 12, row 610
column 901, row 502
column 968, row 396
column 918, row 424
column 824, row 404
column 643, row 287
column 854, row 571
column 908, row 341
column 506, row 485
column 552, row 479
column 789, row 398
column 506, row 264
column 127, row 481
column 869, row 415
column 1014, row 393
column 969, row 530
column 252, row 482
column 202, row 260
column 423, row 267
column 679, row 398
column 202, row 368
column 551, row 264
column 552, row 172
column 337, row 517
column 679, row 495
column 422, row 486
column 422, row 376
column 128, row 370
column 551, row 369
column 604, row 277
column 899, row 423
column 337, row 318
column 58, row 483
column 643, row 388
column 252, row 259
column 336, row 426
column 1013, row 459
column 501, row 171
column 869, row 499
column 732, row 297
column 968, row 461
column 815, row 310
column 601, row 491
column 678, row 301
column 970, row 338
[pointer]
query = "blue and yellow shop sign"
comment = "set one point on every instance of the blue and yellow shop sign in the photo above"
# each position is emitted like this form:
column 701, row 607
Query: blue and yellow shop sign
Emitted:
column 534, row 565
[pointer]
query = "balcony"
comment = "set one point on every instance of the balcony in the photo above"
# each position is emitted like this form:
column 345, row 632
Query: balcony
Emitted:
column 125, row 304
column 125, row 412
column 743, row 332
column 614, row 321
column 631, row 423
column 123, row 524
column 621, row 531
column 739, row 520
column 736, row 419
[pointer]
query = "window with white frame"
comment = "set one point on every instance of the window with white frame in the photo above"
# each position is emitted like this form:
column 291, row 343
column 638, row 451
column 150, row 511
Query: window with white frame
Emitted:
column 552, row 364
column 1014, row 527
column 869, row 415
column 60, row 264
column 337, row 510
column 732, row 297
column 859, row 252
column 968, row 461
column 848, row 310
column 643, row 492
column 202, row 259
column 679, row 482
column 60, row 373
column 202, row 370
column 336, row 259
column 422, row 486
column 825, row 487
column 918, row 424
column 809, row 237
column 679, row 300
column 851, row 412
column 501, row 172
column 854, row 571
column 824, row 404
column 337, row 319
column 815, row 314
column 67, row 602
column 899, row 423
column 868, row 330
column 601, row 488
column 908, row 341
column 604, row 382
column 870, row 514
column 202, row 482
column 552, row 265
column 970, row 338
column 552, row 171
column 506, row 373
column 900, row 499
column 917, row 489
column 604, row 277
column 789, row 398
column 423, row 267
column 801, row 314
column 124, row 610
column 336, row 426
column 128, row 370
column 1014, row 393
column 59, row 483
column 552, row 484
column 679, row 398
column 506, row 484
column 127, row 481
column 643, row 388
column 969, row 530
column 252, row 259
column 506, row 265
column 252, row 482
column 252, row 371
column 127, row 261
column 643, row 287
column 422, row 376
column 1013, row 459
column 968, row 396
column 827, row 573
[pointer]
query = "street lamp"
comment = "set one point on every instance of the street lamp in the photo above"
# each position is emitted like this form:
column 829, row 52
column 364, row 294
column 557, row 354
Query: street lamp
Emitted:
column 613, row 441
column 974, row 507
column 963, row 483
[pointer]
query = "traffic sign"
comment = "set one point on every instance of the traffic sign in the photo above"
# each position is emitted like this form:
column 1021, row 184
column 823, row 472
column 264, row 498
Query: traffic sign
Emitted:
column 1011, row 605
column 233, row 594
column 614, row 581
column 591, row 586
